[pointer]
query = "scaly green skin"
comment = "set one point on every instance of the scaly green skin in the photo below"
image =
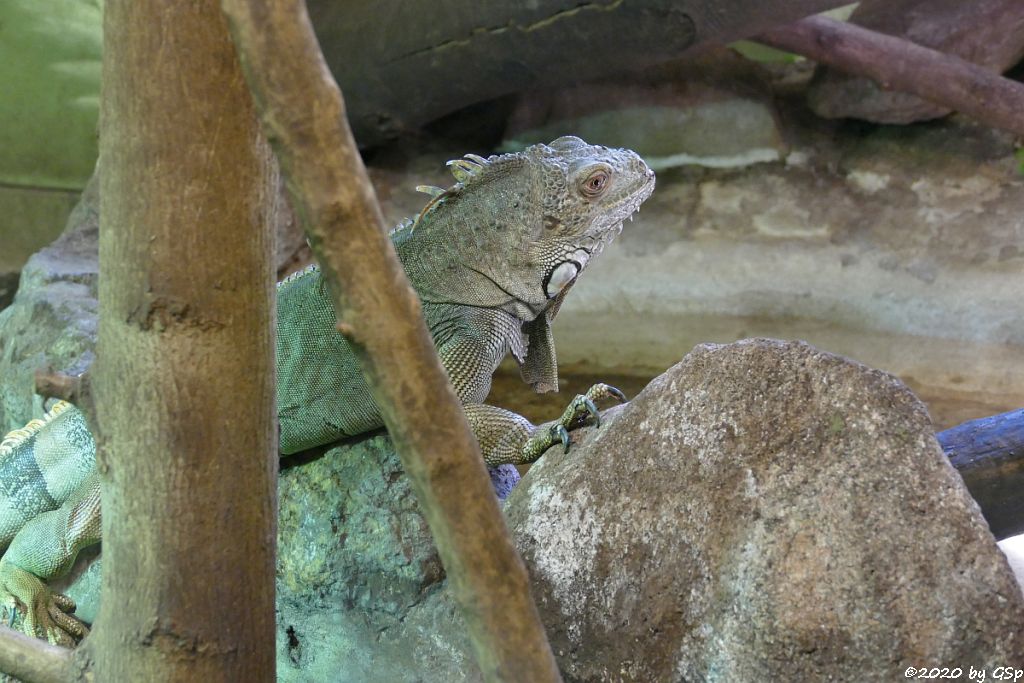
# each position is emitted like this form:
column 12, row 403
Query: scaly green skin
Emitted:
column 491, row 257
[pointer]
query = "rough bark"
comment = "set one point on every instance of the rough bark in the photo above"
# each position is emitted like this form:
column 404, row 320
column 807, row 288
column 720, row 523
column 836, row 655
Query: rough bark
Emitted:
column 183, row 379
column 412, row 61
column 901, row 65
column 304, row 117
column 989, row 454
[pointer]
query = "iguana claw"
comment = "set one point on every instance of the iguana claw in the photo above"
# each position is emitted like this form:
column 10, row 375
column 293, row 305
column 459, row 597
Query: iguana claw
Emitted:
column 581, row 407
column 43, row 613
column 592, row 409
column 615, row 393
column 563, row 434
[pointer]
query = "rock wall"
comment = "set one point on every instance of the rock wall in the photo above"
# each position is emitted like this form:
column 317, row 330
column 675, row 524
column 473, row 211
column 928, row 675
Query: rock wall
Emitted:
column 52, row 319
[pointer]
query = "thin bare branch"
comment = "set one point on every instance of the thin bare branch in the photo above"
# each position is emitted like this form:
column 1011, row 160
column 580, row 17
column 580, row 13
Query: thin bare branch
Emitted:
column 897, row 64
column 52, row 384
column 32, row 660
column 304, row 118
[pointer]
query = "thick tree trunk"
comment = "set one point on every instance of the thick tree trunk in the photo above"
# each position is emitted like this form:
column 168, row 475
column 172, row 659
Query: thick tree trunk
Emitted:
column 412, row 61
column 183, row 378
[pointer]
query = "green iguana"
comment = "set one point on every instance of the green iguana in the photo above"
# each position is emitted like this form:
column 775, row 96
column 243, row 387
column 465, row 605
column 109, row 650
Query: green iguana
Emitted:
column 491, row 257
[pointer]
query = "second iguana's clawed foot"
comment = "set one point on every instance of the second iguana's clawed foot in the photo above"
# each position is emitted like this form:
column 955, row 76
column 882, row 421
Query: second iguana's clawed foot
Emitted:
column 581, row 407
column 29, row 605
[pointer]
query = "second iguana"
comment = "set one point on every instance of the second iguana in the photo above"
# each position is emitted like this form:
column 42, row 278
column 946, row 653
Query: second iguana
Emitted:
column 491, row 257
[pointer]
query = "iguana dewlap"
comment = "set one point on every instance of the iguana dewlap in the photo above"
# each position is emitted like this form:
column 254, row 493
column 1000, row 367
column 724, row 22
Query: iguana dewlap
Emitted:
column 491, row 257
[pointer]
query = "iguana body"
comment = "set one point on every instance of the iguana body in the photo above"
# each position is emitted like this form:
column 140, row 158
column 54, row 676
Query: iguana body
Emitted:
column 491, row 258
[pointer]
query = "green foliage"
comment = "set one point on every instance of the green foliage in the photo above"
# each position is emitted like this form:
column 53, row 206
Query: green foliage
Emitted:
column 762, row 53
column 50, row 52
column 1018, row 154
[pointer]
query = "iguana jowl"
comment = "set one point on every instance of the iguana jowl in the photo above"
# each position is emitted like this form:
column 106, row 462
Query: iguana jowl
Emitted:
column 491, row 257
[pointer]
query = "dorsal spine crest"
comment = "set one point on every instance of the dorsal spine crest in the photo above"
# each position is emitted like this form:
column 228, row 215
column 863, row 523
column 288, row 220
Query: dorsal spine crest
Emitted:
column 19, row 436
column 298, row 275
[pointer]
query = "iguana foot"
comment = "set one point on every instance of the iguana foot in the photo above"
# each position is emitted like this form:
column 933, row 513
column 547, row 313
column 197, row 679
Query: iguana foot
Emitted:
column 31, row 606
column 581, row 407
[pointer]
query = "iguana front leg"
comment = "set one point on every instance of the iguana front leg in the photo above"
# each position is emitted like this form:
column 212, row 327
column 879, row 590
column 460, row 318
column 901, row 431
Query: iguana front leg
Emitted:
column 43, row 549
column 506, row 437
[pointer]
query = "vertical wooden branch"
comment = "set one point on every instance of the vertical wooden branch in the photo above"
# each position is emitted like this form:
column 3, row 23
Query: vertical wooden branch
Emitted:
column 183, row 377
column 304, row 118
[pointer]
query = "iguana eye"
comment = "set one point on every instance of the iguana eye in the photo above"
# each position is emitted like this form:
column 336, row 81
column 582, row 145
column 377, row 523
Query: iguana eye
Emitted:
column 595, row 183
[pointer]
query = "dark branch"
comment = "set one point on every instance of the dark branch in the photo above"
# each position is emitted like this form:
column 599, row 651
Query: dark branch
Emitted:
column 897, row 64
column 989, row 454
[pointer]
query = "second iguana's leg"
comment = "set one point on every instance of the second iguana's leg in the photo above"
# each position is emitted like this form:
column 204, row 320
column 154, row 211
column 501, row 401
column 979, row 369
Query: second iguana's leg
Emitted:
column 506, row 437
column 43, row 549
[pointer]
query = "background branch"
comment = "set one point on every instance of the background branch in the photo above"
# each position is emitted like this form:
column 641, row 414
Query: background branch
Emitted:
column 897, row 64
column 304, row 118
column 413, row 61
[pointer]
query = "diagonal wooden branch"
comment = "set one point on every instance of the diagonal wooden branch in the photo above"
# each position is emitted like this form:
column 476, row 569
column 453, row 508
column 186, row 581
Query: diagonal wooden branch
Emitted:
column 303, row 114
column 32, row 660
column 897, row 64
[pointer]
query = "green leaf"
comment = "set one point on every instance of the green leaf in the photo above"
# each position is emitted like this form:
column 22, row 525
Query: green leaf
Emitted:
column 50, row 56
column 762, row 53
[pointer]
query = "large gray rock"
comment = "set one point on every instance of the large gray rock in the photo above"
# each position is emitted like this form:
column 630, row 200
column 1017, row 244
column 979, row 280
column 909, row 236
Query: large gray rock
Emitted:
column 355, row 557
column 762, row 511
column 989, row 33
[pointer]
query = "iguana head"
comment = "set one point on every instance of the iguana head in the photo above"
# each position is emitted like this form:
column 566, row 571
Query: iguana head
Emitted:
column 516, row 230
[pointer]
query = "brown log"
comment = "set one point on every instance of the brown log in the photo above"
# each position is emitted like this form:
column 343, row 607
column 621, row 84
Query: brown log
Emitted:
column 412, row 61
column 304, row 117
column 898, row 64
